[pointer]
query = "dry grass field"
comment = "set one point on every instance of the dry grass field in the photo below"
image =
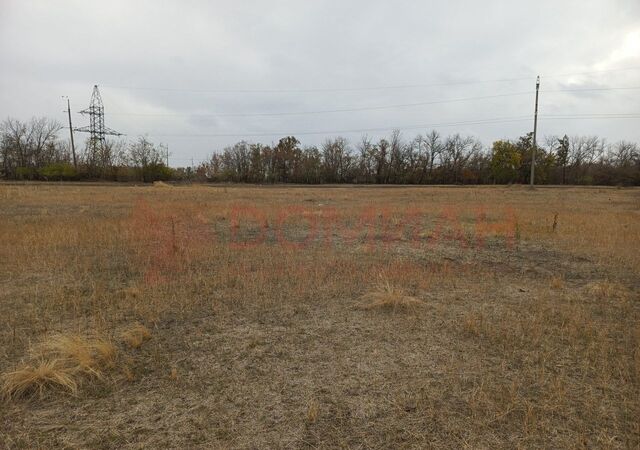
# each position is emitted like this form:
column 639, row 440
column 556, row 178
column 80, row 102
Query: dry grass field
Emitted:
column 319, row 317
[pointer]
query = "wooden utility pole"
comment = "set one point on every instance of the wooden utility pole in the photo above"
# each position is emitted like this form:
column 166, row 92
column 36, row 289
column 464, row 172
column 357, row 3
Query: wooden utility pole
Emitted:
column 535, row 130
column 73, row 145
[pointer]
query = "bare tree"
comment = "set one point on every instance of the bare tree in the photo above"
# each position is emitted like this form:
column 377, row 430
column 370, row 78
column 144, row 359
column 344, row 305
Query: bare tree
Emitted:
column 366, row 160
column 433, row 147
column 396, row 167
column 626, row 154
column 41, row 136
column 456, row 152
column 145, row 158
column 584, row 151
column 336, row 159
column 28, row 146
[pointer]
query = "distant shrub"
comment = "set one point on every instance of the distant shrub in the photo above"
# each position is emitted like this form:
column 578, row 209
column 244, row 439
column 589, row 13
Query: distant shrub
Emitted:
column 125, row 173
column 58, row 172
column 587, row 180
column 156, row 172
column 25, row 173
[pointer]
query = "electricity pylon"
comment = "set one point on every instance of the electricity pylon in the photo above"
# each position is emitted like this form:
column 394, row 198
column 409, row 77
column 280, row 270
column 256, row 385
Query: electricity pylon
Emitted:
column 97, row 141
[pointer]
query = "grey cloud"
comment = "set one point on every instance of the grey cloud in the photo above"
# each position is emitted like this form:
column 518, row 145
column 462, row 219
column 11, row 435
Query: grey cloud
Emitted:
column 49, row 49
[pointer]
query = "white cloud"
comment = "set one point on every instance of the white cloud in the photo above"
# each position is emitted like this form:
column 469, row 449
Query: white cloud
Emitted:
column 628, row 52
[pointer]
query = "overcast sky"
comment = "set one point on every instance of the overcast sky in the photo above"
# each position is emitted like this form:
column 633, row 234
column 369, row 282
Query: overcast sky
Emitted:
column 173, row 70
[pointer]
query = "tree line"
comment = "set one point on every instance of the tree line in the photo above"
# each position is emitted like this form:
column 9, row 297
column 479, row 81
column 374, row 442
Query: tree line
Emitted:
column 33, row 150
column 428, row 159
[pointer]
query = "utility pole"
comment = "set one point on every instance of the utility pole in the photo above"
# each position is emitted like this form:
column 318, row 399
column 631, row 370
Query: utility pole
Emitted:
column 73, row 145
column 535, row 131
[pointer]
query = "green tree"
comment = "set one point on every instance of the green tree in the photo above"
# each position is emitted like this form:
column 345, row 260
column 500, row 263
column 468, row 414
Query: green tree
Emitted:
column 505, row 162
column 562, row 156
column 286, row 157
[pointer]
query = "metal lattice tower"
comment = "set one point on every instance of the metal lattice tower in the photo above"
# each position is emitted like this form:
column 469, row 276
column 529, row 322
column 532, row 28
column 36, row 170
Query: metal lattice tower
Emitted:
column 95, row 111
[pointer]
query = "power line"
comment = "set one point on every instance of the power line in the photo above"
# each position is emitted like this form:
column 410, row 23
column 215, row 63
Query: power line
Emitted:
column 374, row 107
column 303, row 90
column 359, row 130
column 637, row 116
column 497, row 120
column 593, row 116
column 327, row 111
column 362, row 88
column 623, row 88
column 622, row 69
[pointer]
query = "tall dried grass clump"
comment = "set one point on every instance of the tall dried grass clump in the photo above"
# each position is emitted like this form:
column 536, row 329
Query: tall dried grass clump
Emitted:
column 62, row 362
column 37, row 378
column 85, row 355
column 387, row 296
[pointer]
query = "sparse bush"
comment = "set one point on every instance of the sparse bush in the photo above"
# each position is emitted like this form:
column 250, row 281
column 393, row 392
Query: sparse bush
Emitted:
column 58, row 172
column 26, row 173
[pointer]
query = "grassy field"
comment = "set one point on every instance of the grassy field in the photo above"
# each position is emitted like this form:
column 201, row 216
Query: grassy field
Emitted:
column 319, row 317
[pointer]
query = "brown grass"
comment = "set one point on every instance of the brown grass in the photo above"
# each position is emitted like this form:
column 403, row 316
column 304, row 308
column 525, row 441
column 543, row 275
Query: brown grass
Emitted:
column 135, row 336
column 313, row 409
column 89, row 356
column 608, row 290
column 61, row 361
column 39, row 377
column 388, row 297
column 528, row 339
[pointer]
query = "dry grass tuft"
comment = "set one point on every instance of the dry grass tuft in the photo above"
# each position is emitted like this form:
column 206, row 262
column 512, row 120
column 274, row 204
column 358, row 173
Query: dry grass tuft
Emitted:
column 128, row 373
column 473, row 323
column 106, row 353
column 313, row 410
column 88, row 356
column 608, row 290
column 387, row 296
column 135, row 336
column 130, row 293
column 161, row 184
column 38, row 378
column 61, row 362
column 557, row 282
